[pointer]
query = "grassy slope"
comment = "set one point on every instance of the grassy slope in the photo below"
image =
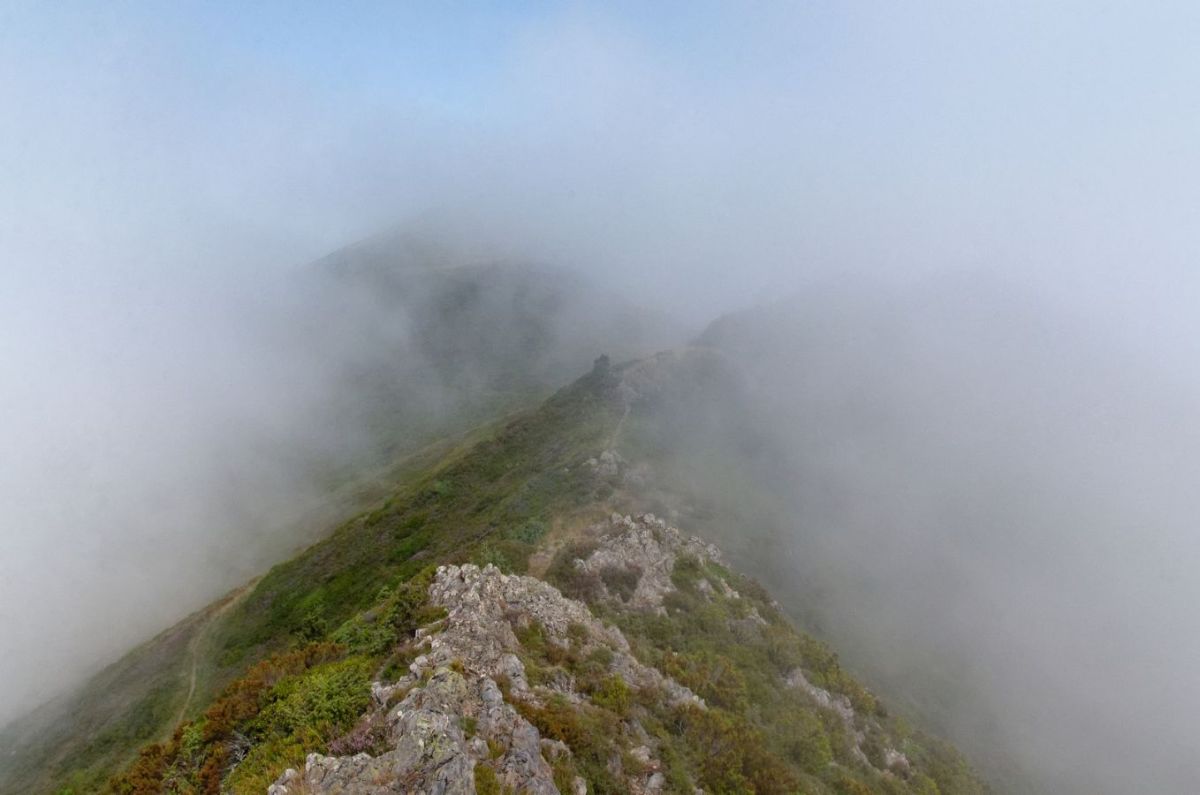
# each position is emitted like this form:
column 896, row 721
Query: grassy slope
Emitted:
column 124, row 705
column 80, row 738
column 484, row 501
column 490, row 340
column 443, row 499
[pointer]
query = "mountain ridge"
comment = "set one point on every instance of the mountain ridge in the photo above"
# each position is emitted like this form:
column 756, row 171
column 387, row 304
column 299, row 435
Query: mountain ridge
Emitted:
column 521, row 497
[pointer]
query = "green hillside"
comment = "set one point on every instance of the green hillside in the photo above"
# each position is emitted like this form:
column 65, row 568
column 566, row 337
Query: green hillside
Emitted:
column 283, row 667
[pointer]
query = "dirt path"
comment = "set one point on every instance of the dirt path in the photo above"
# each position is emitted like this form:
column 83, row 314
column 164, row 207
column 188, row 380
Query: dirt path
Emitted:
column 196, row 647
column 187, row 702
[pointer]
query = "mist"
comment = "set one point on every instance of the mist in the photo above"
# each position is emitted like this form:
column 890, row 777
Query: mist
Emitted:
column 987, row 212
column 986, row 506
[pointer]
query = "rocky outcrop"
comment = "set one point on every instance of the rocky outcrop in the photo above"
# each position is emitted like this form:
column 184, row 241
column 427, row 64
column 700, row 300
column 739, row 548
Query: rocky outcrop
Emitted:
column 486, row 606
column 643, row 550
column 612, row 468
column 438, row 732
column 893, row 760
column 608, row 465
column 467, row 706
column 449, row 714
column 838, row 704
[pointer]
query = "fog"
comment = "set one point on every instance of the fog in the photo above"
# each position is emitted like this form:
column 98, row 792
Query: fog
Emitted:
column 1003, row 195
column 988, row 509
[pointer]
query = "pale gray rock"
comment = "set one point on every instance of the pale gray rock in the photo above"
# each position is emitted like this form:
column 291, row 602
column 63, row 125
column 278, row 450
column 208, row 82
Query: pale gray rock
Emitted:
column 610, row 464
column 453, row 685
column 430, row 752
column 484, row 605
column 893, row 760
column 648, row 546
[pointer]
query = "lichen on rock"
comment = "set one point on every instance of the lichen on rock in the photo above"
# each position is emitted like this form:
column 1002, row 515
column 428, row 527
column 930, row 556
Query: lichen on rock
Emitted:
column 454, row 714
column 430, row 747
column 647, row 547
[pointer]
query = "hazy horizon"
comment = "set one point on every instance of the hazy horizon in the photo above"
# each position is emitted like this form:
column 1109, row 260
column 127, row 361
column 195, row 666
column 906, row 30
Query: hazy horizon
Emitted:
column 168, row 174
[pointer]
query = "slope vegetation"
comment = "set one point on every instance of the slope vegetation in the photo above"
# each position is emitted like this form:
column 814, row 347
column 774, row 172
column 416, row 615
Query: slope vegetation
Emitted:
column 638, row 660
column 428, row 351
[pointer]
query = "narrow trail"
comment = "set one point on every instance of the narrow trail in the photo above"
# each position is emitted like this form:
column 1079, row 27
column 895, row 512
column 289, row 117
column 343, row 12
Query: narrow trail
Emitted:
column 195, row 648
column 540, row 560
column 187, row 702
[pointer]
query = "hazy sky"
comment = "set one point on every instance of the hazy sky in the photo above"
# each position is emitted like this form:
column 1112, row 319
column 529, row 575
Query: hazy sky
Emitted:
column 748, row 144
column 164, row 165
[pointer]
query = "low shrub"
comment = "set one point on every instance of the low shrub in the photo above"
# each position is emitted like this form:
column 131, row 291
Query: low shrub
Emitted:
column 621, row 581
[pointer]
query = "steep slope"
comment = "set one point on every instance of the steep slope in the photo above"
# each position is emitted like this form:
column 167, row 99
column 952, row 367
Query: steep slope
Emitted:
column 517, row 635
column 948, row 471
column 425, row 348
column 91, row 730
column 78, row 740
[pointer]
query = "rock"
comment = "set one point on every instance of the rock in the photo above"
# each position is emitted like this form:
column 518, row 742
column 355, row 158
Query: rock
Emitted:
column 429, row 750
column 381, row 694
column 893, row 760
column 473, row 648
column 838, row 703
column 554, row 749
column 280, row 787
column 484, row 605
column 609, row 465
column 648, row 547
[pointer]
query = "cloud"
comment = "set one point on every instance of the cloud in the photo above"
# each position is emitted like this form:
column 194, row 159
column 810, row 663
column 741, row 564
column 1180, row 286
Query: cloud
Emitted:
column 166, row 173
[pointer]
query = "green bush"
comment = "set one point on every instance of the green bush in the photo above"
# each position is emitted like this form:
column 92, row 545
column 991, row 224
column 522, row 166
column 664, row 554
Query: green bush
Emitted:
column 489, row 553
column 530, row 532
column 613, row 694
column 589, row 732
column 323, row 700
column 621, row 581
column 486, row 782
column 687, row 572
column 572, row 581
column 712, row 676
column 803, row 737
column 732, row 755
